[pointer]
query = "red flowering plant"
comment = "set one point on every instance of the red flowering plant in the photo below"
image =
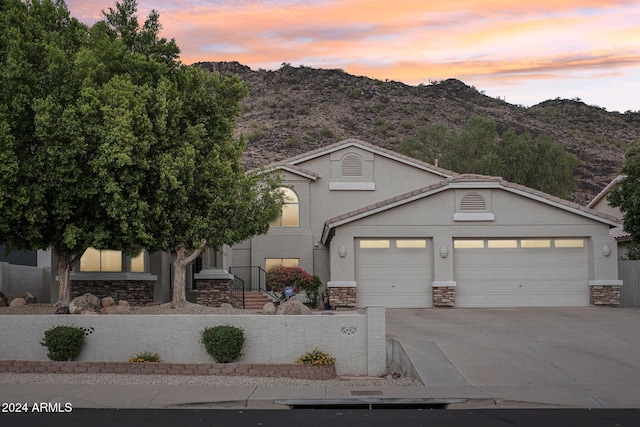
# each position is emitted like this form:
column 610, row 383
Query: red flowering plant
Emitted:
column 281, row 276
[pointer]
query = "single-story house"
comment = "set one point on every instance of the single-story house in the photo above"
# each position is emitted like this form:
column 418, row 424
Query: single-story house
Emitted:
column 380, row 228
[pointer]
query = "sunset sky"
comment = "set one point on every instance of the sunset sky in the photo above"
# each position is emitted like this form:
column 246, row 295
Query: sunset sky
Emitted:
column 523, row 51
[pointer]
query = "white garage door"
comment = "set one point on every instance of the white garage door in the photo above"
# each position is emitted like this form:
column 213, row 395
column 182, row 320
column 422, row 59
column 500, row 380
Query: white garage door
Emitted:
column 521, row 273
column 395, row 273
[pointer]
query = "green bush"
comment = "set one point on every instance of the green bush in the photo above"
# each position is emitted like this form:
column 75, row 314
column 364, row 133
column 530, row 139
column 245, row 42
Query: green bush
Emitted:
column 63, row 342
column 316, row 357
column 223, row 343
column 145, row 357
column 313, row 292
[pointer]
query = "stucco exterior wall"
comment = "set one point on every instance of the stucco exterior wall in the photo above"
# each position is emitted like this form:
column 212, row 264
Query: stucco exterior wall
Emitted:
column 318, row 203
column 357, row 341
column 515, row 217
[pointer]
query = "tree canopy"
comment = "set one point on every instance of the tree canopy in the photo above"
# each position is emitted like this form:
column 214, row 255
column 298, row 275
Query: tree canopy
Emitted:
column 108, row 141
column 626, row 193
column 538, row 162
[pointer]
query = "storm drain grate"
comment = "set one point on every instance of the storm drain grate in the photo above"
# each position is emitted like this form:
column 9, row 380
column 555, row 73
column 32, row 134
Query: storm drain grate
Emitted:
column 369, row 402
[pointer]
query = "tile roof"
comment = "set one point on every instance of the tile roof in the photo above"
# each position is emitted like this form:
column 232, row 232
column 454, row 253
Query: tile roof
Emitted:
column 605, row 190
column 366, row 146
column 458, row 180
column 619, row 234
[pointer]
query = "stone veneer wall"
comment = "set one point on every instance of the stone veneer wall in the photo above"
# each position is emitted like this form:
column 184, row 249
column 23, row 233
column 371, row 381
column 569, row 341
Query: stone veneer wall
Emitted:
column 604, row 296
column 213, row 292
column 444, row 296
column 136, row 292
column 342, row 297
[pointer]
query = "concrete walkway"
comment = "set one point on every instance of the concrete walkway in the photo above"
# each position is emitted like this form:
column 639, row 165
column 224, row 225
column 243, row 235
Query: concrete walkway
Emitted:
column 582, row 357
column 504, row 358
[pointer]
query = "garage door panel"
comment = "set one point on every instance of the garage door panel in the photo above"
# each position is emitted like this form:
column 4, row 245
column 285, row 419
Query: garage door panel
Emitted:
column 394, row 277
column 521, row 277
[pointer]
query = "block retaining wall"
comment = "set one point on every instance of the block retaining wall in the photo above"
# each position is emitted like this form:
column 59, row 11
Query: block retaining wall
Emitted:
column 356, row 340
column 307, row 372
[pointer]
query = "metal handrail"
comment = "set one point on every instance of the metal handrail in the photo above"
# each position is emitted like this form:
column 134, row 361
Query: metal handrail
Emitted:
column 237, row 290
column 254, row 277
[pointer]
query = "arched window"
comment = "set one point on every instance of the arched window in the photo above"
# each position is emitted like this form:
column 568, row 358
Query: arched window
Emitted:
column 290, row 210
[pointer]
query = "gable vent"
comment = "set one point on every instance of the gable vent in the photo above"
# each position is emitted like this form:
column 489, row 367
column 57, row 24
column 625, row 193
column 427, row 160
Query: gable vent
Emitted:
column 351, row 165
column 473, row 202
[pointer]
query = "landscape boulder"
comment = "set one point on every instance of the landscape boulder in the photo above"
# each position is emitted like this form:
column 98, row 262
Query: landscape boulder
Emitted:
column 18, row 302
column 29, row 298
column 84, row 304
column 269, row 308
column 107, row 302
column 292, row 307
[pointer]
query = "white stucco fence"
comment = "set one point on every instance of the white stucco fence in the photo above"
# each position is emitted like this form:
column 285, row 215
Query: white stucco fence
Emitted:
column 357, row 341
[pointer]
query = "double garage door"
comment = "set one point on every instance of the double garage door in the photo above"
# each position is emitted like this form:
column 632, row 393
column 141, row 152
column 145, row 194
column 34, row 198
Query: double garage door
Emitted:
column 397, row 273
column 521, row 273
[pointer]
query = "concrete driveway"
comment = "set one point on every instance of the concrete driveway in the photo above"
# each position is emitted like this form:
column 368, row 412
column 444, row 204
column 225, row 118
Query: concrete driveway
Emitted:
column 569, row 357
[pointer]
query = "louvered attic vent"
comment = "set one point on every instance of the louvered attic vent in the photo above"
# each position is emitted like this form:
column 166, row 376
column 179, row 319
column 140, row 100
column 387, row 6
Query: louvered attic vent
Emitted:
column 473, row 202
column 352, row 165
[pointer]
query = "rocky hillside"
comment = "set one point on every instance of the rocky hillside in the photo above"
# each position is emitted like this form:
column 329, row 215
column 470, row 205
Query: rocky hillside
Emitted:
column 293, row 110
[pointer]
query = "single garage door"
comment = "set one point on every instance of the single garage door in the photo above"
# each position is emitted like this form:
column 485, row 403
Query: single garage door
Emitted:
column 521, row 273
column 395, row 273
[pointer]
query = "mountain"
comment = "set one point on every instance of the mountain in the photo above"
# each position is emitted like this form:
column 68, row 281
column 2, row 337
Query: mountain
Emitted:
column 297, row 109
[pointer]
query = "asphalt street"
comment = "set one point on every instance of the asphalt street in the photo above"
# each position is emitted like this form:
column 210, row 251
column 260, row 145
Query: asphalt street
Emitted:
column 333, row 417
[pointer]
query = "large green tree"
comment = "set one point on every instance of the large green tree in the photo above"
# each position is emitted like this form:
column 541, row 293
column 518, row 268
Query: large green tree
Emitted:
column 109, row 142
column 539, row 162
column 626, row 193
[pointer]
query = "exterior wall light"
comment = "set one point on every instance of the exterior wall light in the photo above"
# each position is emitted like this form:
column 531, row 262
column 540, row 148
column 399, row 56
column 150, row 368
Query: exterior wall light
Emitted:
column 342, row 251
column 606, row 250
column 444, row 251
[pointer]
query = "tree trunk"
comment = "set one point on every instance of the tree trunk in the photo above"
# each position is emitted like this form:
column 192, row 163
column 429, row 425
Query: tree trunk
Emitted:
column 180, row 262
column 64, row 277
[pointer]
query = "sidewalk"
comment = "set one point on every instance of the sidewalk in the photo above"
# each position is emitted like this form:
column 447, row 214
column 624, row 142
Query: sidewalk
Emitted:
column 206, row 397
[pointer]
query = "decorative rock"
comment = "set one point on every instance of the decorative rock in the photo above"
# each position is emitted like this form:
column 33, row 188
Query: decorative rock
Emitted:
column 116, row 309
column 269, row 308
column 18, row 302
column 84, row 304
column 125, row 303
column 4, row 302
column 292, row 307
column 226, row 306
column 107, row 302
column 62, row 310
column 29, row 298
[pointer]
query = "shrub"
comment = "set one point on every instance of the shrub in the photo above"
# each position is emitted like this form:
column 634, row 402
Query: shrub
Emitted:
column 145, row 357
column 223, row 343
column 63, row 342
column 281, row 276
column 313, row 292
column 316, row 357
